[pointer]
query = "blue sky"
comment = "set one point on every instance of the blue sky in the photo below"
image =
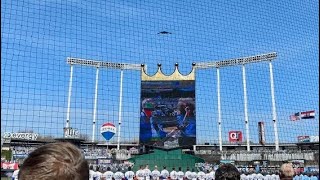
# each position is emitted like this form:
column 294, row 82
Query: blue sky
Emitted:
column 38, row 36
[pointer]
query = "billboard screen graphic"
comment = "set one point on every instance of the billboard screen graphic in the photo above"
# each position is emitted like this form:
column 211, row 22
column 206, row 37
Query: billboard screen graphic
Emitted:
column 167, row 116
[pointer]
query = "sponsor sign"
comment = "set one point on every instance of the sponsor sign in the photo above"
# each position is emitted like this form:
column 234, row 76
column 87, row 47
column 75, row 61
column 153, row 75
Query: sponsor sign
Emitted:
column 225, row 161
column 303, row 138
column 108, row 130
column 8, row 165
column 134, row 150
column 104, row 161
column 262, row 137
column 71, row 133
column 26, row 136
column 235, row 136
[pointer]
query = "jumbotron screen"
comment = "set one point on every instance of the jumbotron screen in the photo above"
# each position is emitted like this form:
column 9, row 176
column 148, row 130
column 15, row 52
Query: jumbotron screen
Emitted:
column 168, row 116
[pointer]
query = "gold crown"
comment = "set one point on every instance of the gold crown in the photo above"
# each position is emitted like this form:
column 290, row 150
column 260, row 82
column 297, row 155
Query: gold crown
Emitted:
column 175, row 76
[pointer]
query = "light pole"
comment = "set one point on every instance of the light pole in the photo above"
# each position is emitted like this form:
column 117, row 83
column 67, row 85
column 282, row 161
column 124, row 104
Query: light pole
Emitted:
column 236, row 62
column 98, row 65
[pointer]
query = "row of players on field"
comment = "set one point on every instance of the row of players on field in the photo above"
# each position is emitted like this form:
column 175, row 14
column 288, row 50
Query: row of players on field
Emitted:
column 144, row 173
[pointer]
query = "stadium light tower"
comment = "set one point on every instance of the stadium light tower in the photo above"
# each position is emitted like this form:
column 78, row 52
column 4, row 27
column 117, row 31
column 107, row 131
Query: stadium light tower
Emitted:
column 243, row 61
column 98, row 65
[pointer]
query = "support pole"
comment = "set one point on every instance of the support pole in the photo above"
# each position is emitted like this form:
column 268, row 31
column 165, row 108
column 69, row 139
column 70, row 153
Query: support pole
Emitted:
column 69, row 97
column 95, row 105
column 246, row 119
column 219, row 109
column 120, row 110
column 274, row 112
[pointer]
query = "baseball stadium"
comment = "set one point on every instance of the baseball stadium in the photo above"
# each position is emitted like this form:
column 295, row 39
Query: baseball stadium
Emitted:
column 165, row 84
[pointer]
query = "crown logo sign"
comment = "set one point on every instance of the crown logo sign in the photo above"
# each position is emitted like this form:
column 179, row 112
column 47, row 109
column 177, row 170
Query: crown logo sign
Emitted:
column 175, row 76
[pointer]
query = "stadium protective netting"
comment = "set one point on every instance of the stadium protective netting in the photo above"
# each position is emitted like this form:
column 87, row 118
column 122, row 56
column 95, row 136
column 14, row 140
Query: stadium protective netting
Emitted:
column 39, row 36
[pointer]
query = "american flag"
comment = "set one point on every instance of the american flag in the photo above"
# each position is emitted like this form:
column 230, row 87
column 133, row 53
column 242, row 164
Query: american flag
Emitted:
column 295, row 117
column 308, row 114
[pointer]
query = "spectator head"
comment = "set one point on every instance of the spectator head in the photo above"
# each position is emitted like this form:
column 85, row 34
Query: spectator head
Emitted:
column 141, row 167
column 173, row 168
column 179, row 168
column 55, row 161
column 129, row 168
column 286, row 171
column 108, row 168
column 155, row 167
column 164, row 167
column 227, row 172
column 188, row 169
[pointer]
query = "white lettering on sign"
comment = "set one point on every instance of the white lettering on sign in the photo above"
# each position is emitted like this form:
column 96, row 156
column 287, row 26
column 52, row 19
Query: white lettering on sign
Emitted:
column 71, row 133
column 112, row 129
column 27, row 136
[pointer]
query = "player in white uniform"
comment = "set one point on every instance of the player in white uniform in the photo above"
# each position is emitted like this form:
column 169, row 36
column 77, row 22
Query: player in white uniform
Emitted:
column 188, row 174
column 210, row 174
column 15, row 173
column 213, row 174
column 180, row 174
column 147, row 172
column 275, row 177
column 92, row 173
column 155, row 173
column 108, row 174
column 140, row 173
column 129, row 174
column 243, row 177
column 164, row 173
column 201, row 175
column 118, row 175
column 98, row 173
column 260, row 176
column 173, row 174
column 194, row 175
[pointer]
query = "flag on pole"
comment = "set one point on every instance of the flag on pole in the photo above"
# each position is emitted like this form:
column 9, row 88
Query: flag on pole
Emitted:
column 295, row 116
column 307, row 114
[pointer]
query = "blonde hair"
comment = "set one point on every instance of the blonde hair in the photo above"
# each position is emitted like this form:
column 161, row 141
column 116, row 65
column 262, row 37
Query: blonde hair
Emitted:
column 287, row 170
column 55, row 161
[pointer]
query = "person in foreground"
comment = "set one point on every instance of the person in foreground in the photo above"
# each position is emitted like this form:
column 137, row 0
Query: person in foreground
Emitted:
column 286, row 171
column 55, row 161
column 227, row 172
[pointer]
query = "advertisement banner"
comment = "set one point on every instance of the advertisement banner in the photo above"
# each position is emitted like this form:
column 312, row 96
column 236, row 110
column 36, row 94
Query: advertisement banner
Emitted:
column 24, row 136
column 168, row 110
column 235, row 136
column 71, row 133
column 262, row 137
column 8, row 165
column 303, row 138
